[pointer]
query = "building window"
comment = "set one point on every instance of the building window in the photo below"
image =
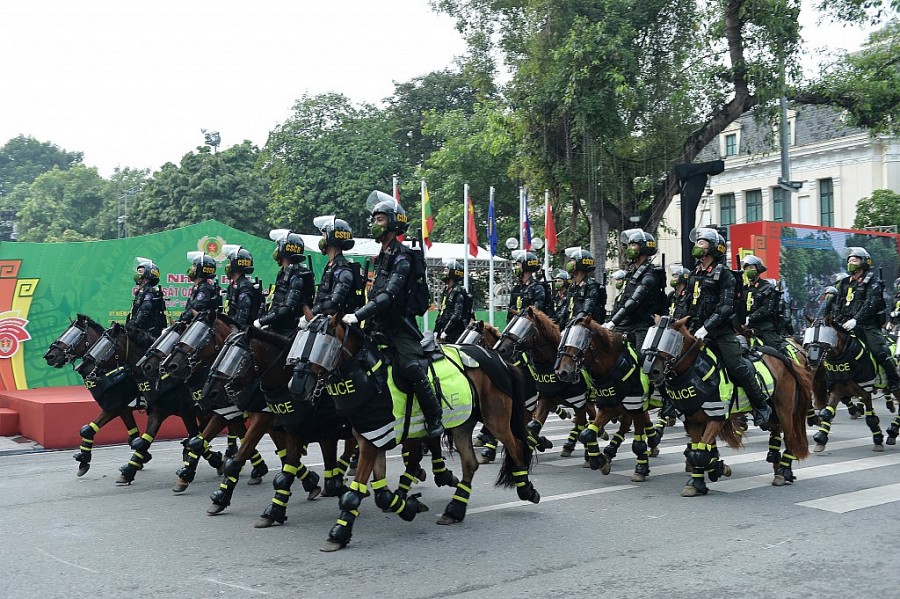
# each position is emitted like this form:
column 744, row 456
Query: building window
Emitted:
column 754, row 205
column 781, row 205
column 826, row 202
column 731, row 144
column 726, row 209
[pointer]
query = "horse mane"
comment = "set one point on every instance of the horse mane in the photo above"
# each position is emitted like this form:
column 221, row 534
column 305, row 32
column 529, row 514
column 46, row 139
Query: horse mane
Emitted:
column 90, row 322
column 228, row 320
column 614, row 341
column 546, row 326
column 269, row 337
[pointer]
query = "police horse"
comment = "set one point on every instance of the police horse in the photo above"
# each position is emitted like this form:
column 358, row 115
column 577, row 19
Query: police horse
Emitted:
column 70, row 346
column 472, row 382
column 844, row 367
column 690, row 375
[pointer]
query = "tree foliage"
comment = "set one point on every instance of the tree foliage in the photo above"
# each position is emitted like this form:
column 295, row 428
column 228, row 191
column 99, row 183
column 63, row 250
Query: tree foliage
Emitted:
column 23, row 159
column 881, row 209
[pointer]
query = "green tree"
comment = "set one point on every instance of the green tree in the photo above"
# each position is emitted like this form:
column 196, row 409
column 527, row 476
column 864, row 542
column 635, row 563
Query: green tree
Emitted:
column 23, row 159
column 881, row 209
column 225, row 186
column 326, row 159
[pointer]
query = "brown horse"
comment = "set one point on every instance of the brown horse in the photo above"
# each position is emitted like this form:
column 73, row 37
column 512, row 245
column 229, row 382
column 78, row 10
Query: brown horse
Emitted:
column 533, row 338
column 622, row 390
column 357, row 370
column 681, row 368
column 189, row 360
column 72, row 345
column 843, row 368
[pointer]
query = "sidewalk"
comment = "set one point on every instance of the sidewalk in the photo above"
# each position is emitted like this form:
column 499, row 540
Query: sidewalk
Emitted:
column 18, row 444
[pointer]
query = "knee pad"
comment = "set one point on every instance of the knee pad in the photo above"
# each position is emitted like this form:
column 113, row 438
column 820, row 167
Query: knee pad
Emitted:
column 196, row 445
column 350, row 501
column 140, row 444
column 383, row 498
column 232, row 468
column 334, row 485
column 282, row 481
column 872, row 422
column 87, row 431
column 533, row 427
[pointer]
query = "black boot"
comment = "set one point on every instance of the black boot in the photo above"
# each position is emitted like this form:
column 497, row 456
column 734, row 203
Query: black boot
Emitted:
column 746, row 378
column 890, row 369
column 428, row 401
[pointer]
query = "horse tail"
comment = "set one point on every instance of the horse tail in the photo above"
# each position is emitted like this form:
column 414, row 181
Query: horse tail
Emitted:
column 505, row 477
column 732, row 435
column 794, row 428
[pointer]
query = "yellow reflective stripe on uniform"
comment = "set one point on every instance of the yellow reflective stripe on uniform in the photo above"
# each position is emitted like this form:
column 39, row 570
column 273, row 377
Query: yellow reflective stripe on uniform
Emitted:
column 374, row 368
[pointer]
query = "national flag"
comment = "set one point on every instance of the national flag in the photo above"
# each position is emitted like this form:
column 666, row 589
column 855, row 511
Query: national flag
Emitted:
column 427, row 216
column 526, row 224
column 492, row 227
column 470, row 224
column 550, row 230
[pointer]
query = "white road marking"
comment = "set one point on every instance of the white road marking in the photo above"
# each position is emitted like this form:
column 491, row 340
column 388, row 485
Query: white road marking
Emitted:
column 236, row 586
column 62, row 561
column 857, row 500
column 560, row 497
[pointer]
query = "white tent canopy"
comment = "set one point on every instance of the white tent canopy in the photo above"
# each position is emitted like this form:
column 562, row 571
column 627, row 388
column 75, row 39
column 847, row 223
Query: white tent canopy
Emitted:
column 438, row 251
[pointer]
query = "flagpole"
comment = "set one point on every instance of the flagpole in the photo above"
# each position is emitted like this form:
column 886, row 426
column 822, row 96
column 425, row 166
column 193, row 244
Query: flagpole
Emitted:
column 491, row 266
column 424, row 252
column 522, row 218
column 466, row 236
column 546, row 245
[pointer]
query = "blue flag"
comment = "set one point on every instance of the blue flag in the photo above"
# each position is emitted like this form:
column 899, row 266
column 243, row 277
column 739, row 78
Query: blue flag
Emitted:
column 492, row 227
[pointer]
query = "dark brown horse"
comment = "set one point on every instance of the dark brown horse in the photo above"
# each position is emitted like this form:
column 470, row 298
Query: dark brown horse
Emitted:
column 680, row 367
column 189, row 361
column 622, row 390
column 347, row 360
column 843, row 368
column 72, row 345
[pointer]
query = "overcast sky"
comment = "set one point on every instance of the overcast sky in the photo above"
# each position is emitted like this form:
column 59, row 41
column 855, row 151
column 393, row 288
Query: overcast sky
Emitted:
column 132, row 82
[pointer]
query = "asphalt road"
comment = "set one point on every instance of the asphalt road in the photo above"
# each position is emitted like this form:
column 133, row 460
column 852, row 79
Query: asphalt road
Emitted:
column 831, row 534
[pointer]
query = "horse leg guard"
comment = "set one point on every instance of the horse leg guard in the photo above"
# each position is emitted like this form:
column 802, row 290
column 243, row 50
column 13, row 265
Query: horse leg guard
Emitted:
column 568, row 447
column 443, row 477
column 595, row 459
column 652, row 436
column 456, row 509
column 222, row 496
column 812, row 417
column 387, row 500
column 821, row 437
column 639, row 445
column 140, row 447
column 231, row 448
column 277, row 510
column 524, row 489
column 484, row 437
column 259, row 469
column 827, row 414
column 334, row 483
column 588, row 434
column 407, row 480
column 534, row 433
column 193, row 449
column 419, row 473
column 784, row 470
column 343, row 465
column 489, row 452
column 774, row 455
column 612, row 449
column 83, row 457
column 342, row 531
column 872, row 422
column 892, row 431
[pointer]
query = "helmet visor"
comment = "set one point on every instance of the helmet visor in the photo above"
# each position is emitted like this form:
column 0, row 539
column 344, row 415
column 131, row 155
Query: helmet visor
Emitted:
column 197, row 335
column 377, row 197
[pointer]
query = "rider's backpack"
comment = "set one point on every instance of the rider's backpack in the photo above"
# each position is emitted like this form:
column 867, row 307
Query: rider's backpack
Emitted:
column 658, row 302
column 468, row 306
column 309, row 285
column 358, row 295
column 418, row 298
column 548, row 307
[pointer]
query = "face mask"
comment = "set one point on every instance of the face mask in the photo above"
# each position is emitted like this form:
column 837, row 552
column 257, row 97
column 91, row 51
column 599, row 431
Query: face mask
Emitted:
column 852, row 268
column 137, row 277
column 323, row 245
column 557, row 285
column 517, row 270
column 698, row 252
column 228, row 268
column 376, row 231
column 192, row 271
column 632, row 253
column 751, row 274
column 620, row 284
column 673, row 282
column 275, row 255
column 570, row 267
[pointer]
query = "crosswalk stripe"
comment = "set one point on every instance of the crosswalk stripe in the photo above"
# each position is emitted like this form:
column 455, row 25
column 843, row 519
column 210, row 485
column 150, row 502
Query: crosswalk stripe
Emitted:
column 545, row 499
column 857, row 500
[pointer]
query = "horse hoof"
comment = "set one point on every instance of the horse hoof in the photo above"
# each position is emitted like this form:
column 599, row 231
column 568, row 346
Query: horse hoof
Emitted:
column 255, row 480
column 180, row 486
column 638, row 478
column 654, row 453
column 819, row 448
column 878, row 448
column 445, row 520
column 483, row 460
column 535, row 497
column 726, row 470
column 215, row 509
column 314, row 493
column 565, row 453
column 778, row 481
column 264, row 523
column 603, row 434
column 331, row 546
column 605, row 468
column 122, row 480
column 689, row 491
column 83, row 468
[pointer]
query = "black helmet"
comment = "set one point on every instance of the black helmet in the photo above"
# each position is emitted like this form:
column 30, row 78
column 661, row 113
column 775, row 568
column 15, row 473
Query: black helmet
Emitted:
column 678, row 274
column 897, row 284
column 862, row 254
column 146, row 270
column 528, row 261
column 561, row 279
column 641, row 237
column 716, row 242
column 287, row 245
column 240, row 260
column 580, row 259
column 381, row 203
column 453, row 270
column 202, row 266
column 754, row 261
column 618, row 278
column 337, row 233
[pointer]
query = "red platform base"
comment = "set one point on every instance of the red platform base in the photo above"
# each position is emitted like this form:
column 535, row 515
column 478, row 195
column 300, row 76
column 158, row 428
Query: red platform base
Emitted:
column 52, row 416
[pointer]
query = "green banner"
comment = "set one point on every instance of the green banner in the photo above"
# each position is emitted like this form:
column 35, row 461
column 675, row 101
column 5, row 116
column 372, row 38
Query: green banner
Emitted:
column 44, row 285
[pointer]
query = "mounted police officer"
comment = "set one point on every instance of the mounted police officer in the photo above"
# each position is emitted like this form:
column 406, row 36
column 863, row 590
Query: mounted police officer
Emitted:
column 678, row 278
column 585, row 295
column 293, row 285
column 894, row 321
column 561, row 280
column 386, row 312
column 710, row 305
column 243, row 295
column 761, row 304
column 856, row 308
column 452, row 320
column 635, row 306
column 339, row 291
column 206, row 293
column 148, row 309
column 527, row 291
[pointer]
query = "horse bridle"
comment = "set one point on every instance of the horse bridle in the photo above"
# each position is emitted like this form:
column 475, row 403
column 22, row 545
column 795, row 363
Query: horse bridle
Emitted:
column 69, row 351
column 579, row 354
column 192, row 357
column 519, row 339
